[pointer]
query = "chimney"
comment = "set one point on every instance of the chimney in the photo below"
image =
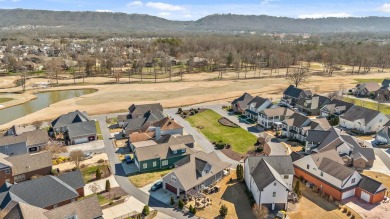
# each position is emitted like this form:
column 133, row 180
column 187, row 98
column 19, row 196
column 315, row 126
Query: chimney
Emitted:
column 158, row 133
column 314, row 102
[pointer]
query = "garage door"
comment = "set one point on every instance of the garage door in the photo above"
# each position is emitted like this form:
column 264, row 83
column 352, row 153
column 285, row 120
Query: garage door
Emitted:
column 365, row 196
column 348, row 194
column 81, row 140
column 170, row 188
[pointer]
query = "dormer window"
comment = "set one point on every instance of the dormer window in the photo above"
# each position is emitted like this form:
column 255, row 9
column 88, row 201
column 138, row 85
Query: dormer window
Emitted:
column 274, row 183
column 174, row 152
column 353, row 180
column 183, row 150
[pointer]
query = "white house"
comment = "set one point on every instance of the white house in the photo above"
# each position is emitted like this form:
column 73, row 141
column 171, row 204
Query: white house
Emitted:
column 271, row 117
column 256, row 105
column 363, row 120
column 270, row 180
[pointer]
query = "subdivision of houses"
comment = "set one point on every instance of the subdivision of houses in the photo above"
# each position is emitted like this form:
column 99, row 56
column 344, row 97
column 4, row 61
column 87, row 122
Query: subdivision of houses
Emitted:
column 363, row 120
column 194, row 173
column 312, row 105
column 335, row 108
column 240, row 104
column 327, row 172
column 257, row 105
column 162, row 153
column 27, row 142
column 366, row 89
column 354, row 152
column 269, row 179
column 47, row 192
column 273, row 117
column 292, row 94
column 19, row 168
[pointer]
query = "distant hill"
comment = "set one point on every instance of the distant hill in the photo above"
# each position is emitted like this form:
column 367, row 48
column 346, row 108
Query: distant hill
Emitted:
column 93, row 22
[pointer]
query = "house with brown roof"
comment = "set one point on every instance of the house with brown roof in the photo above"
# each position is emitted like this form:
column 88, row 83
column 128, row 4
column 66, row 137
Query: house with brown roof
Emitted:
column 312, row 105
column 272, row 117
column 335, row 108
column 194, row 173
column 27, row 142
column 257, row 105
column 327, row 172
column 366, row 89
column 19, row 168
column 240, row 104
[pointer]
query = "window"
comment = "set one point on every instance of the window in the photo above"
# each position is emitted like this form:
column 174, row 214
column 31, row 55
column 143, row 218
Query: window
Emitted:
column 173, row 178
column 7, row 171
column 274, row 194
column 145, row 165
column 164, row 163
column 274, row 183
column 175, row 152
column 183, row 150
column 353, row 180
column 322, row 173
column 380, row 120
column 19, row 178
column 154, row 163
column 285, row 176
column 307, row 166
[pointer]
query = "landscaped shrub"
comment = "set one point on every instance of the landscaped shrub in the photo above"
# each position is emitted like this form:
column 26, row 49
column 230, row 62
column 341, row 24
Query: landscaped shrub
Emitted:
column 193, row 211
column 54, row 162
column 223, row 211
column 145, row 210
column 190, row 208
column 108, row 186
column 349, row 213
column 179, row 111
column 345, row 210
column 353, row 216
column 220, row 146
column 259, row 149
column 98, row 173
column 181, row 204
column 172, row 201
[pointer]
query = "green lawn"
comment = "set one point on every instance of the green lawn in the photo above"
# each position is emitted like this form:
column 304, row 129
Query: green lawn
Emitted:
column 371, row 105
column 102, row 200
column 89, row 173
column 143, row 179
column 99, row 131
column 378, row 80
column 5, row 99
column 240, row 140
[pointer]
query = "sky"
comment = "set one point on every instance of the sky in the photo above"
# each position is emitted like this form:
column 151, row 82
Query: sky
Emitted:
column 193, row 10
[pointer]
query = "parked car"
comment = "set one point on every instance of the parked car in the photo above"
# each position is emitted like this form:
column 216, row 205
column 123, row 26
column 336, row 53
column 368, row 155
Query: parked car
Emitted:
column 88, row 155
column 156, row 186
column 128, row 159
column 281, row 215
column 380, row 143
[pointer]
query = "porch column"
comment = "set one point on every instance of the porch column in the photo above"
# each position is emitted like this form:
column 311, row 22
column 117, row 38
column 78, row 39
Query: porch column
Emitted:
column 177, row 192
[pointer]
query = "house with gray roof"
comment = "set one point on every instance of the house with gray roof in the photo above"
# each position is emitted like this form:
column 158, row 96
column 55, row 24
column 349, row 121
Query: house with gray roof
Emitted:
column 383, row 135
column 327, row 172
column 354, row 152
column 363, row 120
column 257, row 105
column 312, row 105
column 82, row 132
column 60, row 124
column 45, row 192
column 366, row 89
column 27, row 142
column 240, row 104
column 139, row 124
column 138, row 111
column 335, row 108
column 194, row 173
column 270, row 179
column 292, row 94
column 273, row 117
column 293, row 126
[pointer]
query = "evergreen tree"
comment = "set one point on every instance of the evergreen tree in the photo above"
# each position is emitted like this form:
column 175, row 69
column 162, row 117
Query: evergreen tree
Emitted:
column 181, row 204
column 223, row 211
column 98, row 173
column 145, row 210
column 172, row 201
column 108, row 186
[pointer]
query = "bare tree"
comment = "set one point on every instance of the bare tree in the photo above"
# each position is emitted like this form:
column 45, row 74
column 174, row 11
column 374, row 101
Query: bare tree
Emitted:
column 94, row 187
column 260, row 211
column 76, row 156
column 298, row 76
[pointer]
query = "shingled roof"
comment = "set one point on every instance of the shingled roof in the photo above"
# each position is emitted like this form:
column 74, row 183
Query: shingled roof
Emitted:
column 258, row 101
column 140, row 110
column 39, row 136
column 292, row 91
column 243, row 100
column 82, row 129
column 29, row 162
column 69, row 118
column 358, row 112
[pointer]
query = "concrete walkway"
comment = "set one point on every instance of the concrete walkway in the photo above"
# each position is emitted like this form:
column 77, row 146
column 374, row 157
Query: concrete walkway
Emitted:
column 101, row 184
column 89, row 146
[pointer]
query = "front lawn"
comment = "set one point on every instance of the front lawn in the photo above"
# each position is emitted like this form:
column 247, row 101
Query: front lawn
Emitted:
column 143, row 179
column 89, row 173
column 368, row 104
column 241, row 140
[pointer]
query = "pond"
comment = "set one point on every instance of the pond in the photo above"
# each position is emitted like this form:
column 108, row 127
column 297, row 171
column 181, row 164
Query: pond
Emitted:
column 43, row 100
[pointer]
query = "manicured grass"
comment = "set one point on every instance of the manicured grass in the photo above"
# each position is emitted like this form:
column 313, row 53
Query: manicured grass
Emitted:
column 89, row 173
column 5, row 99
column 143, row 179
column 207, row 122
column 371, row 105
column 102, row 200
column 99, row 131
column 378, row 80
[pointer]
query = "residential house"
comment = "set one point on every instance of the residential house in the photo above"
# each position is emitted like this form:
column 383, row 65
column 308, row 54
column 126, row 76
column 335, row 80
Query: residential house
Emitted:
column 293, row 127
column 19, row 168
column 269, row 179
column 27, row 142
column 47, row 192
column 257, row 105
column 60, row 124
column 163, row 154
column 138, row 123
column 19, row 129
column 88, row 208
column 335, row 108
column 363, row 120
column 272, row 117
column 327, row 172
column 292, row 94
column 383, row 94
column 366, row 89
column 194, row 173
column 354, row 152
column 312, row 105
column 240, row 104
column 383, row 135
column 81, row 132
column 197, row 62
column 138, row 111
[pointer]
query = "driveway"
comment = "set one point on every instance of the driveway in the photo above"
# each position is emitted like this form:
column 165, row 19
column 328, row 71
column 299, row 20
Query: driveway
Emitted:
column 162, row 195
column 383, row 154
column 129, row 168
column 89, row 146
column 367, row 210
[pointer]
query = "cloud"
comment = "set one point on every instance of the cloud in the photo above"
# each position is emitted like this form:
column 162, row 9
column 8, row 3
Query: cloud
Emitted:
column 164, row 6
column 103, row 10
column 187, row 15
column 16, row 0
column 323, row 15
column 164, row 14
column 135, row 3
column 264, row 2
column 385, row 7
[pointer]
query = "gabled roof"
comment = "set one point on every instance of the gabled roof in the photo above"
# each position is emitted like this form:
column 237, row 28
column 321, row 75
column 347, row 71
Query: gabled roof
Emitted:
column 39, row 136
column 82, row 129
column 177, row 139
column 370, row 86
column 336, row 103
column 258, row 101
column 358, row 112
column 166, row 124
column 20, row 210
column 143, row 123
column 188, row 173
column 321, row 101
column 296, row 119
column 29, row 162
column 320, row 124
column 88, row 208
column 370, row 185
column 335, row 169
column 72, row 117
column 278, row 111
column 74, row 179
column 243, row 100
column 136, row 110
column 292, row 91
column 162, row 151
column 316, row 135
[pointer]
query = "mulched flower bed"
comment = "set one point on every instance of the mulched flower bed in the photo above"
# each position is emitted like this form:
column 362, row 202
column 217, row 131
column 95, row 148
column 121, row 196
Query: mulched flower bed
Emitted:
column 226, row 122
column 233, row 155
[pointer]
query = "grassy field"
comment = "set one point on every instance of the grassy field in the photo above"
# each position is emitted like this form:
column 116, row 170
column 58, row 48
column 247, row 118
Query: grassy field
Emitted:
column 240, row 139
column 143, row 179
column 5, row 99
column 378, row 80
column 371, row 105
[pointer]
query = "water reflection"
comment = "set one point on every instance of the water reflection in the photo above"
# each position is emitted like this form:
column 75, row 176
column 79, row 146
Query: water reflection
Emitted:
column 43, row 100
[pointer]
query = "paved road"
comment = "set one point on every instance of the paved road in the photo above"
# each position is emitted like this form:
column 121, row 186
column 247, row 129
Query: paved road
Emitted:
column 124, row 182
column 383, row 156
